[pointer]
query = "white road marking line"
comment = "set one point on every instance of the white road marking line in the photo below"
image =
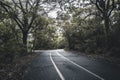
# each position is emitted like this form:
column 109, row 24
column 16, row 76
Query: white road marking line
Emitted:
column 81, row 67
column 56, row 68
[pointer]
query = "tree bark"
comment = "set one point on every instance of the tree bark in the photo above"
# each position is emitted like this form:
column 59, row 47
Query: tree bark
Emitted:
column 107, row 29
column 69, row 42
column 25, row 35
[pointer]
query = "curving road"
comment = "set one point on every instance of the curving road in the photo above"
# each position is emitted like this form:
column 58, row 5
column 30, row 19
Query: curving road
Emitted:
column 62, row 65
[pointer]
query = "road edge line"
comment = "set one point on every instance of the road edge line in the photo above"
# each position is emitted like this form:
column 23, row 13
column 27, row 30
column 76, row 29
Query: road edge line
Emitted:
column 56, row 68
column 81, row 67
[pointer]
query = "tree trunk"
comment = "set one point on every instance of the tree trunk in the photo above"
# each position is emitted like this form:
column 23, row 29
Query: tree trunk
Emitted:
column 25, row 35
column 69, row 42
column 107, row 30
column 34, row 41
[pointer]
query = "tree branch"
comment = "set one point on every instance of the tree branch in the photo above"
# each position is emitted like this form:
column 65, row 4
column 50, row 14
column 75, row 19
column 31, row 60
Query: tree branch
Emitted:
column 113, row 6
column 96, row 3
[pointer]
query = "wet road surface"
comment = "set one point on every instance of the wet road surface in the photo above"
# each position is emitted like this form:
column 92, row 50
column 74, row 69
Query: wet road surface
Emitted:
column 62, row 65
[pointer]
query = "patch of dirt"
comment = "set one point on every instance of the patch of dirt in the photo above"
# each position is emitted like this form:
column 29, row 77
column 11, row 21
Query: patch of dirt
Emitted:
column 15, row 70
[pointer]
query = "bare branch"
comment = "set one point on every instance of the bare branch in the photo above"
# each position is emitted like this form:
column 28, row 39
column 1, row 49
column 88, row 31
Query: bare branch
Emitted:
column 113, row 6
column 98, row 7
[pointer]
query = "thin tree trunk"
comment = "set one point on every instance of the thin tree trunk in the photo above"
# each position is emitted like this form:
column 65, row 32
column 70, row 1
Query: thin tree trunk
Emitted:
column 107, row 30
column 69, row 42
column 34, row 41
column 25, row 35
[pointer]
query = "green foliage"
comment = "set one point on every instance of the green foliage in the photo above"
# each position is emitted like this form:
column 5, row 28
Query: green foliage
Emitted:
column 45, row 37
column 9, row 48
column 10, row 40
column 80, row 27
column 87, row 33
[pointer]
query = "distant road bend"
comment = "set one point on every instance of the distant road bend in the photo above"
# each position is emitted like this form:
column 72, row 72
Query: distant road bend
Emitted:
column 63, row 65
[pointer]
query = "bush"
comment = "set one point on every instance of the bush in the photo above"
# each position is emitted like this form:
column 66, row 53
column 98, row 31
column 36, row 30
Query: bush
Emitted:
column 9, row 51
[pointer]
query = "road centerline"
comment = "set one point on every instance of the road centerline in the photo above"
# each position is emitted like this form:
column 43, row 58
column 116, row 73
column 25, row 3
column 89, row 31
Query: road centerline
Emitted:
column 56, row 68
column 97, row 76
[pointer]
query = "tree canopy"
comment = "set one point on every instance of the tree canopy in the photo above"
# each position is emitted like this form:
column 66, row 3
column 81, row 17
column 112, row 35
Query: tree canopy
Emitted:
column 91, row 26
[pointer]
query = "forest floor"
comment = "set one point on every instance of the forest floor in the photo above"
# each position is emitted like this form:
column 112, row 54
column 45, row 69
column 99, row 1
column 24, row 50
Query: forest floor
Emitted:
column 14, row 71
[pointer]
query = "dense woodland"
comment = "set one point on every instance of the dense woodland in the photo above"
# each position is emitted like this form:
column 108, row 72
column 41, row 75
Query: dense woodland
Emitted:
column 89, row 26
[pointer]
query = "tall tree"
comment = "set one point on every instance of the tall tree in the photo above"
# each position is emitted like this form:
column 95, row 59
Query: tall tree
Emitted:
column 23, row 13
column 105, row 7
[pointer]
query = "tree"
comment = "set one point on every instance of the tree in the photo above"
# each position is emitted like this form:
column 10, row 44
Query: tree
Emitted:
column 23, row 13
column 105, row 7
column 45, row 37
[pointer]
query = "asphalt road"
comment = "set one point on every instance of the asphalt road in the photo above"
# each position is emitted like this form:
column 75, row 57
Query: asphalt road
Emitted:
column 62, row 65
